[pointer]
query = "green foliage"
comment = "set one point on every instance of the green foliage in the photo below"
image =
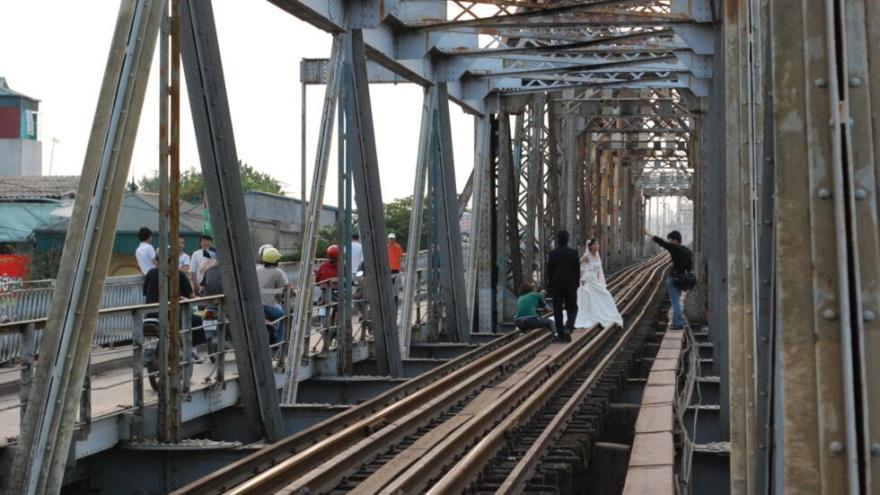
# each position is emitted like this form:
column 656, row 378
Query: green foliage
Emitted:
column 44, row 265
column 327, row 236
column 192, row 186
column 397, row 215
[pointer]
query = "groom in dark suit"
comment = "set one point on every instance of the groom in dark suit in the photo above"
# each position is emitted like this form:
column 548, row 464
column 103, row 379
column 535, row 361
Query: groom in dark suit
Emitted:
column 563, row 278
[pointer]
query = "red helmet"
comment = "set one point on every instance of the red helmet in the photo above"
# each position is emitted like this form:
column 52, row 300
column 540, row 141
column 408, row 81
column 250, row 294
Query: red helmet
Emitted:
column 333, row 251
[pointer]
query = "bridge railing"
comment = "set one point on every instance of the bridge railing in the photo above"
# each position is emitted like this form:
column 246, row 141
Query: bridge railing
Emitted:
column 124, row 326
column 31, row 302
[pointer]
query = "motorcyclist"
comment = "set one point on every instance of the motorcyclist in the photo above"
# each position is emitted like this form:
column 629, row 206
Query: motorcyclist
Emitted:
column 328, row 272
column 272, row 281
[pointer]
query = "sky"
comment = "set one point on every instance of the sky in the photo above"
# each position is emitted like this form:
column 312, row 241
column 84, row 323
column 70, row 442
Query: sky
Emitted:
column 56, row 50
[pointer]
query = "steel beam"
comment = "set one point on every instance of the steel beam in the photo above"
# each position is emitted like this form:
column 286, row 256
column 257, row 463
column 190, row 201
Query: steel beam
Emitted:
column 410, row 281
column 480, row 228
column 50, row 419
column 361, row 148
column 504, row 204
column 451, row 265
column 212, row 121
column 300, row 332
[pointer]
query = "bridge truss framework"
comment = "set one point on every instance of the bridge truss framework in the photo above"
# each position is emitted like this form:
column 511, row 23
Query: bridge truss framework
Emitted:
column 760, row 112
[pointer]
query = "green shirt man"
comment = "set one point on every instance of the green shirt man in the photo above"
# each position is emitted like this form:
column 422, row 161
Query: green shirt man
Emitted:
column 527, row 311
column 528, row 304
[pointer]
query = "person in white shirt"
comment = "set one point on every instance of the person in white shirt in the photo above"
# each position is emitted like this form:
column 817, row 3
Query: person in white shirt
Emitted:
column 357, row 253
column 184, row 263
column 145, row 252
column 198, row 256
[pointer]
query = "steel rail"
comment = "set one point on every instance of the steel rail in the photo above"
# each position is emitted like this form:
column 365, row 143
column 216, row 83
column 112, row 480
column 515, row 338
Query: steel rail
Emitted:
column 371, row 412
column 471, row 464
column 523, row 471
column 363, row 440
column 328, row 475
column 403, row 398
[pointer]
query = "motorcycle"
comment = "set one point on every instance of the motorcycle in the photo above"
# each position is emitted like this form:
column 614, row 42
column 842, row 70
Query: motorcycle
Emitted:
column 151, row 354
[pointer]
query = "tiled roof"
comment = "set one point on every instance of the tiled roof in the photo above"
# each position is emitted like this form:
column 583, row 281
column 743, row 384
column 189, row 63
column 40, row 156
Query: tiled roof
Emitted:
column 35, row 187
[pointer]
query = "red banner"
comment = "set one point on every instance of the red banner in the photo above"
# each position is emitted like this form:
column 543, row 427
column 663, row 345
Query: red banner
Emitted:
column 13, row 271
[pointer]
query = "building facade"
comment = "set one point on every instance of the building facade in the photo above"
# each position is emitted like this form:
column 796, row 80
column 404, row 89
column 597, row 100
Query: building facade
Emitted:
column 21, row 152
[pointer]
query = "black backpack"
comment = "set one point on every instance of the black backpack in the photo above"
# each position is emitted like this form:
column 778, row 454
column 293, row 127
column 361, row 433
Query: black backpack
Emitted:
column 685, row 281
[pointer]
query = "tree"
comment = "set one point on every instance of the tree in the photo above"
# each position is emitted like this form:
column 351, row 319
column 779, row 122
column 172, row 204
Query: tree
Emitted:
column 192, row 186
column 397, row 215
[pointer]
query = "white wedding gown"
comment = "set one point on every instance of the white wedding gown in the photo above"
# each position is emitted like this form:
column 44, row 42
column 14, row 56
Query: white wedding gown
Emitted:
column 595, row 303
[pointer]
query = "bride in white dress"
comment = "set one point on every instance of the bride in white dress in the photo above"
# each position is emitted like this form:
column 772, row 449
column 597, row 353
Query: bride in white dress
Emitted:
column 595, row 303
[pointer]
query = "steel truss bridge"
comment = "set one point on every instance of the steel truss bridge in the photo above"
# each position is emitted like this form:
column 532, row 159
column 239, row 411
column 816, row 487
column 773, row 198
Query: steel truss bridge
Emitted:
column 762, row 113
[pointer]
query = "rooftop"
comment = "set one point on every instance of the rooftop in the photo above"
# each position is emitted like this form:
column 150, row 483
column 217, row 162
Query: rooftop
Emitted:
column 138, row 211
column 20, row 219
column 5, row 90
column 48, row 188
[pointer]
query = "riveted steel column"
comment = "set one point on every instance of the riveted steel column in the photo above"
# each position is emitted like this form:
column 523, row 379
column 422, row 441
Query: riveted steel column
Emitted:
column 535, row 173
column 451, row 265
column 478, row 256
column 301, row 323
column 570, row 175
column 737, row 223
column 410, row 281
column 44, row 444
column 814, row 439
column 368, row 193
column 203, row 69
column 505, row 202
column 863, row 86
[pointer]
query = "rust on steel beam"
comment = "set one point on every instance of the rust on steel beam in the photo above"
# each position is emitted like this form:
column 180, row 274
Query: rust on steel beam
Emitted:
column 863, row 51
column 174, row 378
column 50, row 419
column 806, row 338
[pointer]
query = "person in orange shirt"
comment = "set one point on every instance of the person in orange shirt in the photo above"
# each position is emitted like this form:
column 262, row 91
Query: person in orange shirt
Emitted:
column 395, row 254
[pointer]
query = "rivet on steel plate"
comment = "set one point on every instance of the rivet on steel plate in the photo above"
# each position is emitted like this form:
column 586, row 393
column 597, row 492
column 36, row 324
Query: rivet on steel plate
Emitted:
column 868, row 315
column 861, row 193
column 824, row 193
column 829, row 314
column 821, row 83
column 836, row 447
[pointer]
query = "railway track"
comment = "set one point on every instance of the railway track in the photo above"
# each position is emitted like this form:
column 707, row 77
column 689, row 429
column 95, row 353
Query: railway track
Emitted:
column 479, row 422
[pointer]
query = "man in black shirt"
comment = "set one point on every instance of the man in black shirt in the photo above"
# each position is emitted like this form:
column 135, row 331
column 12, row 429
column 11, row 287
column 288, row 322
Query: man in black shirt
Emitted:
column 151, row 286
column 563, row 279
column 682, row 262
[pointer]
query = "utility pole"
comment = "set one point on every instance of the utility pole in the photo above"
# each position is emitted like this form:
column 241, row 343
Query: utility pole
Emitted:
column 169, row 228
